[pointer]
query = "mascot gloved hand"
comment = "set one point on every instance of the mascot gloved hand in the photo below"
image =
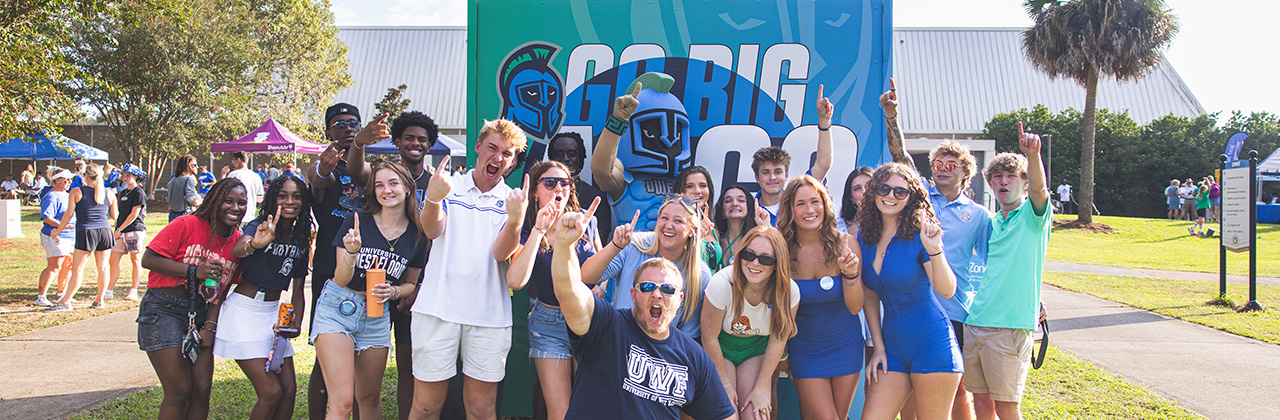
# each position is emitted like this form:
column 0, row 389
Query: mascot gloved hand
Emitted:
column 644, row 144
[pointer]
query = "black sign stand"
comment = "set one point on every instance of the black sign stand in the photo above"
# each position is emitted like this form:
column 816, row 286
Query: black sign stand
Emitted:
column 1253, row 304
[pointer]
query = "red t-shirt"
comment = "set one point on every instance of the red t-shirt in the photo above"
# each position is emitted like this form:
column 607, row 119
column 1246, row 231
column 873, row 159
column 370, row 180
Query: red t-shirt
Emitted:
column 189, row 239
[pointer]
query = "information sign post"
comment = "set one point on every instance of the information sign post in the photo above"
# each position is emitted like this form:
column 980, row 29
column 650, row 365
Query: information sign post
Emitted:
column 1239, row 222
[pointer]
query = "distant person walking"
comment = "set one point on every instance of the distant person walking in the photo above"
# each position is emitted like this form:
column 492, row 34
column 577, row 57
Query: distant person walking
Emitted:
column 1171, row 196
column 1065, row 197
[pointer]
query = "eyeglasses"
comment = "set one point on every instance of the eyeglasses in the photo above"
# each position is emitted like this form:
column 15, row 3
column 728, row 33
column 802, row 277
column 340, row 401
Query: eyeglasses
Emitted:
column 749, row 256
column 550, row 182
column 352, row 124
column 898, row 192
column 940, row 165
column 648, row 286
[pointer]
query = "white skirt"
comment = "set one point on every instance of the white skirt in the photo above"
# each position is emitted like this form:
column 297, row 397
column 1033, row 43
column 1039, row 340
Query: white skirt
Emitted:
column 246, row 328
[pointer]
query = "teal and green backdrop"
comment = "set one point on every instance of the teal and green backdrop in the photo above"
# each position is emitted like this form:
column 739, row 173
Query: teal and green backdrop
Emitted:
column 747, row 72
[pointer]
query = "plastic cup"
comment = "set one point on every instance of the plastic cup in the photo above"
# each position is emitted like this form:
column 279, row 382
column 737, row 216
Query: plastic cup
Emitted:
column 372, row 277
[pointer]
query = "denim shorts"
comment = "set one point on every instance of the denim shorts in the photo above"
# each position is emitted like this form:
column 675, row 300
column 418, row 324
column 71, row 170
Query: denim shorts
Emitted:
column 1215, row 201
column 162, row 320
column 548, row 333
column 342, row 310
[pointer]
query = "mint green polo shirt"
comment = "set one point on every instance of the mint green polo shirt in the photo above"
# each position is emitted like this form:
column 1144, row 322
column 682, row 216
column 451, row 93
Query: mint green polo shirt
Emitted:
column 1009, row 295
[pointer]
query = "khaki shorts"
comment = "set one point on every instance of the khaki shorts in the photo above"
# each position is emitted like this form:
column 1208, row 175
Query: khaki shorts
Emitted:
column 996, row 361
column 437, row 343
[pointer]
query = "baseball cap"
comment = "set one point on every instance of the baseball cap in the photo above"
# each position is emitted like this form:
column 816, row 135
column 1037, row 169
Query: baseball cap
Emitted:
column 133, row 169
column 339, row 109
column 63, row 174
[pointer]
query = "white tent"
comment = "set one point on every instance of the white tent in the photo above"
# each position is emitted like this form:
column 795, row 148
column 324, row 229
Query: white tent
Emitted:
column 1270, row 165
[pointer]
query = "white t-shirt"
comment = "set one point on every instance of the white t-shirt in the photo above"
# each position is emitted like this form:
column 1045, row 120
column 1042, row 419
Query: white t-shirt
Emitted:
column 253, row 185
column 1187, row 192
column 9, row 184
column 755, row 318
column 1064, row 192
column 462, row 283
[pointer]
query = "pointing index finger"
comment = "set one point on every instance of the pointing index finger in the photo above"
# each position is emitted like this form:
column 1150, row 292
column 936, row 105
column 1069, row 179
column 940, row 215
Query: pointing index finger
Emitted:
column 356, row 226
column 892, row 86
column 1020, row 130
column 591, row 211
column 379, row 119
column 526, row 185
column 820, row 95
column 635, row 91
column 635, row 219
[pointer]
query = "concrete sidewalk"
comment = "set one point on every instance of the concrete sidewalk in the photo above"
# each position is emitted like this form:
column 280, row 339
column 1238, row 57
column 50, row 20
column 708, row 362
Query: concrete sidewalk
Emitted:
column 56, row 372
column 1149, row 273
column 1216, row 374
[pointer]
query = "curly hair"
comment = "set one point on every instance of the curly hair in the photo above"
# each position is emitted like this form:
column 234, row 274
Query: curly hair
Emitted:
column 299, row 231
column 782, row 321
column 531, row 210
column 869, row 216
column 831, row 243
column 848, row 208
column 410, row 206
column 415, row 119
column 208, row 210
column 771, row 154
column 722, row 222
column 1011, row 162
column 683, row 177
column 962, row 154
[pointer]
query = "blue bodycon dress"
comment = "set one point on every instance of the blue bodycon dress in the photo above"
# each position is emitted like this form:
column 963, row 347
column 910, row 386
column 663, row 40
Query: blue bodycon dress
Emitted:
column 828, row 340
column 917, row 333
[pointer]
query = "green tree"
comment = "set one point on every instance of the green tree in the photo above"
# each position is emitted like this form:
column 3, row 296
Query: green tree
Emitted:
column 178, row 78
column 394, row 103
column 1086, row 39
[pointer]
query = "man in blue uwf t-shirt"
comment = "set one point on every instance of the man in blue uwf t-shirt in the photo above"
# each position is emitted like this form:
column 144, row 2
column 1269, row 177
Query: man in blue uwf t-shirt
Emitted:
column 632, row 364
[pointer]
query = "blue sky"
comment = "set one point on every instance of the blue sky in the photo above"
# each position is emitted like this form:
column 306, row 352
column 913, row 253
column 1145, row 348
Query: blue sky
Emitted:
column 1222, row 52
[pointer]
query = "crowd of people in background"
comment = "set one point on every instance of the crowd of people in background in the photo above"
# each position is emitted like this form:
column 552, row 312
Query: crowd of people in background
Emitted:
column 709, row 295
column 1200, row 203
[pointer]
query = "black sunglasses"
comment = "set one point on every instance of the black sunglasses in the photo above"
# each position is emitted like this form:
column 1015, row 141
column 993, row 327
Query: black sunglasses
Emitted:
column 549, row 182
column 898, row 192
column 352, row 124
column 648, row 286
column 749, row 256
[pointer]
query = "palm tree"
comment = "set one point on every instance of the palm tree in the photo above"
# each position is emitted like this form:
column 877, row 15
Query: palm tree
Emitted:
column 1084, row 39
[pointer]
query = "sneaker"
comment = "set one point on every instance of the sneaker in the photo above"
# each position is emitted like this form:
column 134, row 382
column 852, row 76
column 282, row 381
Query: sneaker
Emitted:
column 1191, row 230
column 42, row 301
column 57, row 297
column 133, row 295
column 110, row 294
column 96, row 305
column 58, row 307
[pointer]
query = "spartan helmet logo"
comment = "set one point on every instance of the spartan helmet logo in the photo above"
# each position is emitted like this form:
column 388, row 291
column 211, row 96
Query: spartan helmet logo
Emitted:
column 532, row 91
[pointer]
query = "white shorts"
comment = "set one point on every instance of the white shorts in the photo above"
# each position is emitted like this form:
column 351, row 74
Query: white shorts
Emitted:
column 53, row 249
column 436, row 344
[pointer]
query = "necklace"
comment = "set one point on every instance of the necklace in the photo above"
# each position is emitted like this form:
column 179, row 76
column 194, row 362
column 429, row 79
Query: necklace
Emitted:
column 393, row 243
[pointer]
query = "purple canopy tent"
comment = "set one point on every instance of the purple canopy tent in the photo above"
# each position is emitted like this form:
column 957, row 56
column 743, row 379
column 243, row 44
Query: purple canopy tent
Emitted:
column 270, row 137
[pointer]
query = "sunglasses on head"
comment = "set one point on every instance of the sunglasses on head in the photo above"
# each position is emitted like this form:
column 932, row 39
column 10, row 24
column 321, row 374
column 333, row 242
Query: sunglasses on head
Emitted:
column 940, row 165
column 352, row 124
column 550, row 182
column 648, row 286
column 898, row 192
column 749, row 256
column 688, row 201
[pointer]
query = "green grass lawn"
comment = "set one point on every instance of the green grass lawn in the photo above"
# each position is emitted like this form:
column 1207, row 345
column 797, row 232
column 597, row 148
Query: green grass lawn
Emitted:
column 1158, row 244
column 1064, row 388
column 22, row 259
column 1183, row 299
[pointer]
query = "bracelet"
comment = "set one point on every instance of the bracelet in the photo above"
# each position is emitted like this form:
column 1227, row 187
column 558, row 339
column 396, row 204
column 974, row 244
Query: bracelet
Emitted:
column 353, row 261
column 429, row 200
column 397, row 296
column 213, row 329
column 535, row 227
column 330, row 175
column 616, row 244
column 848, row 276
column 191, row 273
column 934, row 255
column 616, row 125
column 824, row 129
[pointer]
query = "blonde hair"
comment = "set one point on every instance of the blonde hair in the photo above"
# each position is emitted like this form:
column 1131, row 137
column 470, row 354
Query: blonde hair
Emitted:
column 1011, row 162
column 510, row 132
column 961, row 153
column 93, row 179
column 782, row 321
column 690, row 259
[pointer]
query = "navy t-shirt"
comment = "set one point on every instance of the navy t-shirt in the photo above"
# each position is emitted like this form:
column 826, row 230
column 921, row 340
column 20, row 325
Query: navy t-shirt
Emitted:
column 340, row 200
column 275, row 266
column 375, row 251
column 625, row 374
column 540, row 282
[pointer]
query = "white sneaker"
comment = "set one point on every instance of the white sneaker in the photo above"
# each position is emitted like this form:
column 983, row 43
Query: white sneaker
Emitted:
column 133, row 295
column 42, row 301
column 110, row 294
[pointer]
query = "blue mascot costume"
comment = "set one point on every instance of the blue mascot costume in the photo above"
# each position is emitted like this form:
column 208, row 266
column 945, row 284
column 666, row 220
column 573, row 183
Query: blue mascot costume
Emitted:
column 644, row 144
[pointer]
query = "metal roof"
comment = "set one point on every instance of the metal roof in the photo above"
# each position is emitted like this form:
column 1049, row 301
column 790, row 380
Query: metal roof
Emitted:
column 430, row 60
column 953, row 80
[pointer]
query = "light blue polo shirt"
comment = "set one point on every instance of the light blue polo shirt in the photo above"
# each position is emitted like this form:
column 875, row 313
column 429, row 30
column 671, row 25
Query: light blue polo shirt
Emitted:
column 1009, row 295
column 966, row 227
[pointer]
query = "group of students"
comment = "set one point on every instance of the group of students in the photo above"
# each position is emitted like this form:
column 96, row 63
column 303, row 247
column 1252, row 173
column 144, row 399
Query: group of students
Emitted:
column 83, row 217
column 779, row 278
column 1199, row 203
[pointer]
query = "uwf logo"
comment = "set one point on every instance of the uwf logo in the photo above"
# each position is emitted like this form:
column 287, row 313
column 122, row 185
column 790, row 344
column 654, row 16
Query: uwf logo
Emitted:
column 531, row 90
column 655, row 379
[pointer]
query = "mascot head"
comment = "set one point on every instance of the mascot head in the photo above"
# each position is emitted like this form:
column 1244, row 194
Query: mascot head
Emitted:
column 658, row 141
column 532, row 91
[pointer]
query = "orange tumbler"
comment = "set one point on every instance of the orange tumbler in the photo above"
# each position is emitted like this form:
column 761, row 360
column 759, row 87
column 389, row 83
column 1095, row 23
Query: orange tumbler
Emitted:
column 372, row 277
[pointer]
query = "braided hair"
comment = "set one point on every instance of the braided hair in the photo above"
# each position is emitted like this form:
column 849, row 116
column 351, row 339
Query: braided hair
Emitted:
column 208, row 210
column 299, row 232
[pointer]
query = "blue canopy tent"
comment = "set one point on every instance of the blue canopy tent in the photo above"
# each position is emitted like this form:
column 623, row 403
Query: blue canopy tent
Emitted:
column 42, row 146
column 444, row 146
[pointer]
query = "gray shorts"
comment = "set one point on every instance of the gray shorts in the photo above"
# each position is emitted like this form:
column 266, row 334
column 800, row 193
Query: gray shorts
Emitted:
column 52, row 249
column 162, row 320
